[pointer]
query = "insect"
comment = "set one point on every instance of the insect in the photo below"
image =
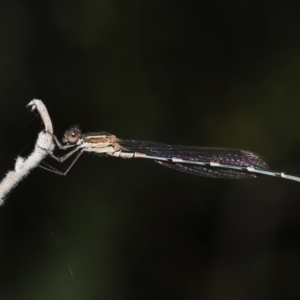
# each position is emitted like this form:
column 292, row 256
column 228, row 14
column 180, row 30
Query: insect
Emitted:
column 202, row 161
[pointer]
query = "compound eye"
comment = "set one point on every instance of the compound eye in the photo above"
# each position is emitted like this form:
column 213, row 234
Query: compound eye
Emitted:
column 71, row 136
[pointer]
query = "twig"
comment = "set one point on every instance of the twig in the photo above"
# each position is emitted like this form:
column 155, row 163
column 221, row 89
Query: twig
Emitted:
column 43, row 146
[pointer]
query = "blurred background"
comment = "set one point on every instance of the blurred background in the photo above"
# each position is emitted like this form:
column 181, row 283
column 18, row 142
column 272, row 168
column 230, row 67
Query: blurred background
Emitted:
column 202, row 73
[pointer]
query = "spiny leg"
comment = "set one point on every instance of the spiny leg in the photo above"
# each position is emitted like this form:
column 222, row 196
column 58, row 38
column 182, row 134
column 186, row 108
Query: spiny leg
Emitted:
column 65, row 157
column 53, row 170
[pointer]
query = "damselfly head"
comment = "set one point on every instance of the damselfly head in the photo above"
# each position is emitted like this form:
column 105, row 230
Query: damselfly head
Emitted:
column 71, row 136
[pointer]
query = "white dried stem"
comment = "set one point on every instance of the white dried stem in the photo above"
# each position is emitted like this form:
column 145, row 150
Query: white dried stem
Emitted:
column 43, row 146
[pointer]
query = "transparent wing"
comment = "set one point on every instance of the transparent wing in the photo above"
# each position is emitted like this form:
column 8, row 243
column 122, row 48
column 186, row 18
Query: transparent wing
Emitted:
column 229, row 157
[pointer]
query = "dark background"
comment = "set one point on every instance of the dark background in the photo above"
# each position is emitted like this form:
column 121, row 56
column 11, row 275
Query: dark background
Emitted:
column 206, row 73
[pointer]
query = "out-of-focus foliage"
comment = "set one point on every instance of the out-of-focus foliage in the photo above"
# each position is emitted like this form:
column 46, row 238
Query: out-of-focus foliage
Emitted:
column 210, row 73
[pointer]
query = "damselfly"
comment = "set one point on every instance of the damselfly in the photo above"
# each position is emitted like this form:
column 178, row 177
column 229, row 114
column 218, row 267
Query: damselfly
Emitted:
column 202, row 161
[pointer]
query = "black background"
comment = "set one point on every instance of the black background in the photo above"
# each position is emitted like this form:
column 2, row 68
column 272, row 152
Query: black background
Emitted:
column 206, row 73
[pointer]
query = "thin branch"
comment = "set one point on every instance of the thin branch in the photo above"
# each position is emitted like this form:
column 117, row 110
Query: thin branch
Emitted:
column 43, row 146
